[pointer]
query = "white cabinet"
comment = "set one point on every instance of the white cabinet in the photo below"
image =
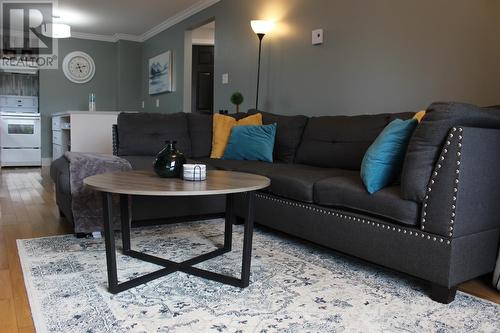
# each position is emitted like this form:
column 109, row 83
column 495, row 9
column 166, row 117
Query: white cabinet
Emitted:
column 60, row 138
column 83, row 131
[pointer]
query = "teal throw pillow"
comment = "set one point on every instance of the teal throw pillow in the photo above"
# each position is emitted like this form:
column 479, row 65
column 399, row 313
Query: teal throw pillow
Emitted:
column 253, row 143
column 383, row 160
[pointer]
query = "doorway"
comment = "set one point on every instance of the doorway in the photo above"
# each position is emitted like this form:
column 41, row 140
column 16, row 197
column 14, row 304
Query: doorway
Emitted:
column 199, row 69
column 202, row 84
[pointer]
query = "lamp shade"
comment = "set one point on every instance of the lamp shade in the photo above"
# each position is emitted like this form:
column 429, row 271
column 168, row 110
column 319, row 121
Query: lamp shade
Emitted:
column 56, row 30
column 261, row 26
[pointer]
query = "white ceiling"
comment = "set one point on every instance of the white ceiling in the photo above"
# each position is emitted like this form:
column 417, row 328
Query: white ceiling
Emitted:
column 125, row 19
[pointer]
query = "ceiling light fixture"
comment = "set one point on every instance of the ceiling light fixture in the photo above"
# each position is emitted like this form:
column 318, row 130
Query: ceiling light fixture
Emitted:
column 56, row 30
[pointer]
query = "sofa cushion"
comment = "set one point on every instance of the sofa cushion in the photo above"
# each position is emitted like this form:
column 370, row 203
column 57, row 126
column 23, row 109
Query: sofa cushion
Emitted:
column 146, row 133
column 297, row 181
column 429, row 137
column 59, row 172
column 200, row 133
column 64, row 181
column 341, row 141
column 419, row 115
column 288, row 134
column 292, row 181
column 263, row 168
column 140, row 162
column 222, row 125
column 383, row 161
column 56, row 167
column 348, row 192
column 252, row 143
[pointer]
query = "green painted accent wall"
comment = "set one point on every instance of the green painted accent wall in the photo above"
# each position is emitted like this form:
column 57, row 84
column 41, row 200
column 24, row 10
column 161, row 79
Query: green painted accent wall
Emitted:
column 116, row 82
column 378, row 56
column 129, row 74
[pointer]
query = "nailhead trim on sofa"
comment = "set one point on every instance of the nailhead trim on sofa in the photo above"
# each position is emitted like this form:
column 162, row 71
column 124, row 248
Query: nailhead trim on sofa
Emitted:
column 348, row 218
column 115, row 139
column 435, row 174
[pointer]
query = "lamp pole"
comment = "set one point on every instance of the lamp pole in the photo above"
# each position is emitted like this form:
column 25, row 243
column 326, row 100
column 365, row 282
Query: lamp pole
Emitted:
column 260, row 27
column 261, row 36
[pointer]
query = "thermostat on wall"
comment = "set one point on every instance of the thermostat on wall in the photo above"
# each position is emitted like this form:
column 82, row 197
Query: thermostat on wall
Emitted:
column 317, row 37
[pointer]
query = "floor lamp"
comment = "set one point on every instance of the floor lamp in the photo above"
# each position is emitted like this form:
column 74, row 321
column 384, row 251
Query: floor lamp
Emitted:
column 261, row 28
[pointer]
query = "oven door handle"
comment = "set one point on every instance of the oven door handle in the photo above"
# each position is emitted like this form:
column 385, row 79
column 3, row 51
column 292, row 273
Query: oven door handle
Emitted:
column 19, row 118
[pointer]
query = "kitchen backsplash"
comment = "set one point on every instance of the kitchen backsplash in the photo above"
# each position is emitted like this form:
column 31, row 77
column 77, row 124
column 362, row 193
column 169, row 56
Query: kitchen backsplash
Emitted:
column 18, row 84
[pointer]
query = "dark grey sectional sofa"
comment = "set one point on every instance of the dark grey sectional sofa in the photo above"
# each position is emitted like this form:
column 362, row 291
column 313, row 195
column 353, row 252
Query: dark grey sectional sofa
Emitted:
column 439, row 223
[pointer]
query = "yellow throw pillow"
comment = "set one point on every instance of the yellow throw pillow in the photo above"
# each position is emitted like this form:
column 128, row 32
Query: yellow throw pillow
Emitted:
column 222, row 130
column 419, row 115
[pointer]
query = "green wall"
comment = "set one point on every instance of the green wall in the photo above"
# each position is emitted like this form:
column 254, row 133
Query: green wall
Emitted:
column 129, row 74
column 378, row 56
column 116, row 82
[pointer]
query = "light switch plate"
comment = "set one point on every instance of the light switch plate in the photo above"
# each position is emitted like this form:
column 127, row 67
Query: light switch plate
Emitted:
column 317, row 37
column 142, row 104
column 157, row 102
column 225, row 78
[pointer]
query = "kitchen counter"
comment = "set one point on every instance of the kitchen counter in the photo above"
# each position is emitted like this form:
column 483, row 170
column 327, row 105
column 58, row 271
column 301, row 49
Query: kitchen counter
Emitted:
column 67, row 113
column 83, row 131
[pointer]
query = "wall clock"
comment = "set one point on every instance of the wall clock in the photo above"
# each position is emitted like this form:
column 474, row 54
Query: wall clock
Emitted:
column 78, row 67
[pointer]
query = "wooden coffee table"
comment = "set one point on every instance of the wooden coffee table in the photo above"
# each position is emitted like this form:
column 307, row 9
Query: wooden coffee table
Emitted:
column 133, row 183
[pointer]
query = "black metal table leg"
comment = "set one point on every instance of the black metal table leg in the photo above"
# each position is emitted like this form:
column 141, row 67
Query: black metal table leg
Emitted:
column 186, row 266
column 228, row 224
column 247, row 241
column 125, row 221
column 109, row 239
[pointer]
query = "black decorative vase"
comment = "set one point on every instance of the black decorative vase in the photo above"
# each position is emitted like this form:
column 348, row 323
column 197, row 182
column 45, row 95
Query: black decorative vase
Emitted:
column 169, row 161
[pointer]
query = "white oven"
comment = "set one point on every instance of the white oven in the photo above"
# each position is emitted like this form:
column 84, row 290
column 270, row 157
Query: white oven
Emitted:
column 20, row 140
column 20, row 131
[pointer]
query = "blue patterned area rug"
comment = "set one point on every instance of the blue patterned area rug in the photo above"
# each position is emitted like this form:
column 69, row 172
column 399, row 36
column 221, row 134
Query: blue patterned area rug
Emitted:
column 294, row 287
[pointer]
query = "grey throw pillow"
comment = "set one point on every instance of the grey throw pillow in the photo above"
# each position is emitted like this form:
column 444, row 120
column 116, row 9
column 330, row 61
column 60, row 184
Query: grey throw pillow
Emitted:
column 289, row 131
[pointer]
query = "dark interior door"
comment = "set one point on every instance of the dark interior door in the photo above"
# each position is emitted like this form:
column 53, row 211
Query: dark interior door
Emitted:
column 202, row 93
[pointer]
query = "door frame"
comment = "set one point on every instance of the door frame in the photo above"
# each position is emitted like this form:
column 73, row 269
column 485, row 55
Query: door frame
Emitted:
column 203, row 76
column 188, row 63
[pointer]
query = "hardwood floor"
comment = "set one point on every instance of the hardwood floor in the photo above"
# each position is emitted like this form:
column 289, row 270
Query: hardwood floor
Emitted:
column 28, row 210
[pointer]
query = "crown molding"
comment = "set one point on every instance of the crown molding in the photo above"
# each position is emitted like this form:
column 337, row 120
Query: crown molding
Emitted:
column 129, row 37
column 171, row 21
column 194, row 9
column 106, row 38
column 102, row 38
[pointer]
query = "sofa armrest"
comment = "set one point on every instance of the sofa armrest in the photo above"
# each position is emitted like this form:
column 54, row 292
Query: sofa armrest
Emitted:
column 463, row 194
column 115, row 139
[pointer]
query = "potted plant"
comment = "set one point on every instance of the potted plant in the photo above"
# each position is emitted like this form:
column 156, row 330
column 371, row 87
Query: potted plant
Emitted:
column 237, row 99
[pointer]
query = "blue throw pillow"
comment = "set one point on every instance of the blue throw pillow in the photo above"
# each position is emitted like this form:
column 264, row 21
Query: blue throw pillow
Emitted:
column 253, row 143
column 383, row 161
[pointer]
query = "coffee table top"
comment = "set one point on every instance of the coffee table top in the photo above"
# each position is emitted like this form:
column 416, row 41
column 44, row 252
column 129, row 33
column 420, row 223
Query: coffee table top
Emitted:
column 148, row 183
